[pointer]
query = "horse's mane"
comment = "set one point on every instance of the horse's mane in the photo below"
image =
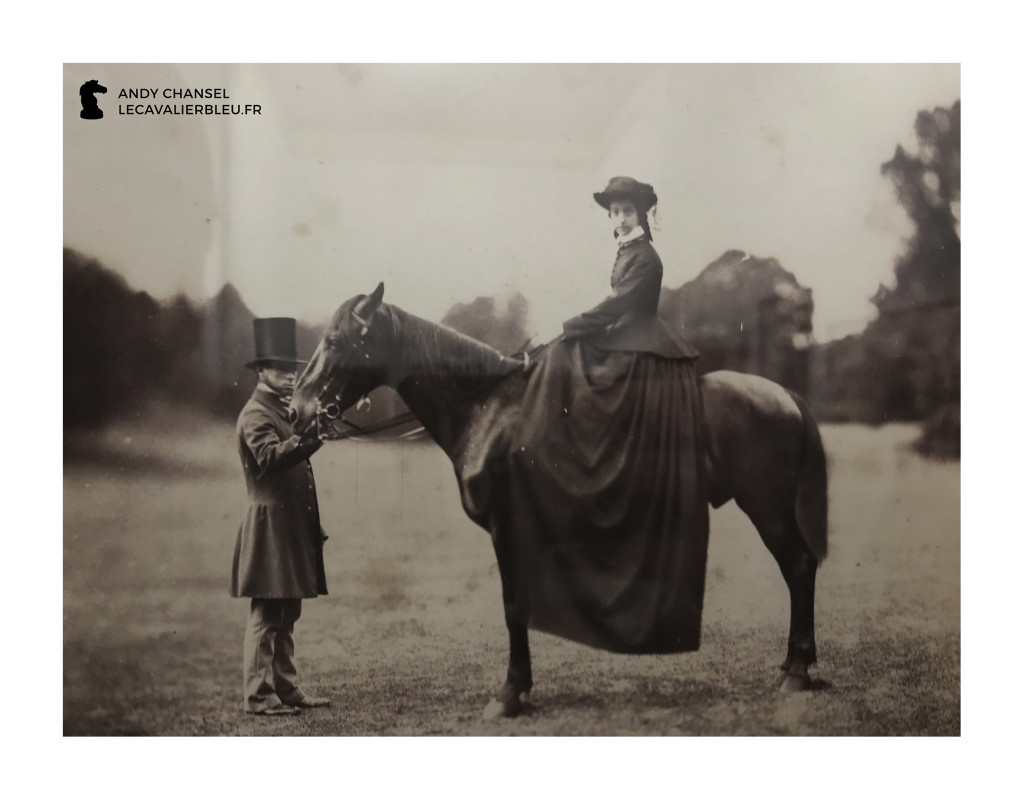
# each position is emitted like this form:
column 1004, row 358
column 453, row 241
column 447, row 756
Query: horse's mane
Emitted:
column 432, row 349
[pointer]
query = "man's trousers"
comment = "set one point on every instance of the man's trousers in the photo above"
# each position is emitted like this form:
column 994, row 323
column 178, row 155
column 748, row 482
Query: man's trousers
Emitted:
column 269, row 652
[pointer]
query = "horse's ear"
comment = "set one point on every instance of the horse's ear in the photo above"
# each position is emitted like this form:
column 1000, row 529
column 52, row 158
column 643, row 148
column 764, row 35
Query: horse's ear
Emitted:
column 365, row 307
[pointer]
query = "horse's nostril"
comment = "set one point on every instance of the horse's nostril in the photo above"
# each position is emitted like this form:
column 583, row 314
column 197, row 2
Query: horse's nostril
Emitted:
column 293, row 416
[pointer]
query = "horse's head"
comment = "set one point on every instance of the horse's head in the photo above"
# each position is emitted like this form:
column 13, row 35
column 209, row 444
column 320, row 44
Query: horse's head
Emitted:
column 92, row 87
column 349, row 362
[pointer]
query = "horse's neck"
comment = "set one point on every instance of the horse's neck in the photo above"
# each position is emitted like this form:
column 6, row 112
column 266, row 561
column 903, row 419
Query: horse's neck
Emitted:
column 439, row 373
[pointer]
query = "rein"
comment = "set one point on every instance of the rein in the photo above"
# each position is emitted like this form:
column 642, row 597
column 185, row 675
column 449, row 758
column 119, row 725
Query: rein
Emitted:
column 330, row 434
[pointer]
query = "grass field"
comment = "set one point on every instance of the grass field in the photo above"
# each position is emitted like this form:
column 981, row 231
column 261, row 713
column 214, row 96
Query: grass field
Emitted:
column 411, row 640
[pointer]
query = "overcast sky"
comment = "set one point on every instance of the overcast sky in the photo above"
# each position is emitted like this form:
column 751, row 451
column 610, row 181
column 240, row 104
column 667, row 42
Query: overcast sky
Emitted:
column 453, row 181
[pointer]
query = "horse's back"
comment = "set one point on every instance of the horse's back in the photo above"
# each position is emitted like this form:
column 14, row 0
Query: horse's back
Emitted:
column 739, row 392
column 755, row 433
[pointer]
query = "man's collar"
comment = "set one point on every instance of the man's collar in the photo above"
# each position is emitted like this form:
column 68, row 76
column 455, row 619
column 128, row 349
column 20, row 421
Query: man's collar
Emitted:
column 281, row 398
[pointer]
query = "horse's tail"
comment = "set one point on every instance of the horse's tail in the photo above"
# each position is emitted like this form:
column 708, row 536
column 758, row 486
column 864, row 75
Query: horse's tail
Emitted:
column 812, row 486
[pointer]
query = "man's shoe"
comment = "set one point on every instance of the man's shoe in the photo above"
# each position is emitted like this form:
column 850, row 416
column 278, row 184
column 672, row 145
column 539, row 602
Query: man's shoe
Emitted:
column 299, row 700
column 277, row 711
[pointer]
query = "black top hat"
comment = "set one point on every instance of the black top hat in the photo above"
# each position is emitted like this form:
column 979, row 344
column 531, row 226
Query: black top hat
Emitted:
column 275, row 341
column 621, row 188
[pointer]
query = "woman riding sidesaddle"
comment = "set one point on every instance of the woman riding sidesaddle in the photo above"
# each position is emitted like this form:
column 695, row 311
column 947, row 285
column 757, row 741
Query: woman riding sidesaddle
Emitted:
column 607, row 471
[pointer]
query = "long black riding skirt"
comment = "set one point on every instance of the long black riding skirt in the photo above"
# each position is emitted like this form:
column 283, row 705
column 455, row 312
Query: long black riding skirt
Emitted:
column 608, row 501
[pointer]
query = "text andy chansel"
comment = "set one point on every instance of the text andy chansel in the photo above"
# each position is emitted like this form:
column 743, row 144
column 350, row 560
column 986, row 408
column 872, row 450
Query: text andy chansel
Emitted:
column 188, row 109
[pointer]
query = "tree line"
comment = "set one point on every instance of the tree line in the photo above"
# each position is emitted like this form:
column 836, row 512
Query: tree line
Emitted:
column 123, row 348
column 905, row 366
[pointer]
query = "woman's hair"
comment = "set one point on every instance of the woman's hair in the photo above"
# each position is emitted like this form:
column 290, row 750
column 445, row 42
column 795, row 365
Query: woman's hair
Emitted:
column 645, row 223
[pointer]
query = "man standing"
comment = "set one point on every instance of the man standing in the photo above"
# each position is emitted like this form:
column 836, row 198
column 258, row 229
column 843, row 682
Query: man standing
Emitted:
column 279, row 549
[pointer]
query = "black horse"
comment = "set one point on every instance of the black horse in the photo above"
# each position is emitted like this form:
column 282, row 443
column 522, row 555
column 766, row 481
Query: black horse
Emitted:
column 90, row 106
column 764, row 449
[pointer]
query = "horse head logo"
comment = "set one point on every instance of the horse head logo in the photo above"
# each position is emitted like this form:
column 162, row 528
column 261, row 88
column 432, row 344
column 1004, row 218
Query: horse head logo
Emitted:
column 90, row 107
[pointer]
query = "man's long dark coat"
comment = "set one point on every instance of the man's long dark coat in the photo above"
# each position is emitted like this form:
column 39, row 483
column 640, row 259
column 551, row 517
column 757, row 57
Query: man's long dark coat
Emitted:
column 279, row 547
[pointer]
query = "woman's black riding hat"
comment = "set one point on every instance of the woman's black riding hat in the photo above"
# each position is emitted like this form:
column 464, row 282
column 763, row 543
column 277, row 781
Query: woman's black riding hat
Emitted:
column 622, row 188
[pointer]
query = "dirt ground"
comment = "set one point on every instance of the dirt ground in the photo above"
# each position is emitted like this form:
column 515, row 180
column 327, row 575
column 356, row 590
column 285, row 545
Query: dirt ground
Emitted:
column 411, row 641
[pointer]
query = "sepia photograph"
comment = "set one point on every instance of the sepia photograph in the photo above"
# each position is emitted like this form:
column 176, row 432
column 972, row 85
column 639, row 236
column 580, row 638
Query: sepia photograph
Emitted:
column 511, row 399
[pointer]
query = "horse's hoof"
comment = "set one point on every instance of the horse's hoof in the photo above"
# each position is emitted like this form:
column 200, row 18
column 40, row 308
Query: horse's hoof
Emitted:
column 796, row 682
column 496, row 709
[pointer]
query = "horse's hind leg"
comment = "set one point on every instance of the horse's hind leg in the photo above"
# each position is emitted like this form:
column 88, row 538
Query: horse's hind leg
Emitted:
column 781, row 535
column 801, row 651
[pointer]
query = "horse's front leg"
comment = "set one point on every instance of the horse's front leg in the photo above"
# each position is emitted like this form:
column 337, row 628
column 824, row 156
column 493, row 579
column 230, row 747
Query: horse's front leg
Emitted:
column 509, row 700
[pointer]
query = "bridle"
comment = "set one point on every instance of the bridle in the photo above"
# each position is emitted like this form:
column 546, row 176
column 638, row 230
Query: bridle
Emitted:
column 332, row 410
column 328, row 401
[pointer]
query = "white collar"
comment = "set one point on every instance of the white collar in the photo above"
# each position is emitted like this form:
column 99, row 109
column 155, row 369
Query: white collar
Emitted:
column 632, row 236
